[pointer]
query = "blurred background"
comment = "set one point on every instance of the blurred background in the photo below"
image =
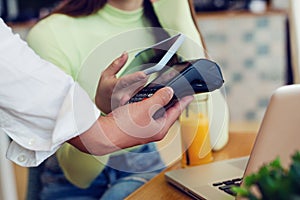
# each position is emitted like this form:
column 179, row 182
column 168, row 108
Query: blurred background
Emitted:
column 25, row 10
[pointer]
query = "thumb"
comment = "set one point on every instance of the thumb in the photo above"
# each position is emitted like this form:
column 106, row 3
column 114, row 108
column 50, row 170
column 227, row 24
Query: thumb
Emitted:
column 161, row 98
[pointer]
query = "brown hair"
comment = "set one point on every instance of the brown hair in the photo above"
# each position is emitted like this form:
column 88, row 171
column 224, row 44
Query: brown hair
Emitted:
column 77, row 8
column 194, row 16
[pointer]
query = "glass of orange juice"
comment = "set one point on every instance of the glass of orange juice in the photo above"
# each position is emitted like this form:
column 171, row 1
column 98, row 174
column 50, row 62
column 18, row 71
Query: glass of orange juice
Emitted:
column 194, row 125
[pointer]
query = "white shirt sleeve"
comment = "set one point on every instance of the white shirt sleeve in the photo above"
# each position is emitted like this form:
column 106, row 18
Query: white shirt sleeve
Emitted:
column 41, row 107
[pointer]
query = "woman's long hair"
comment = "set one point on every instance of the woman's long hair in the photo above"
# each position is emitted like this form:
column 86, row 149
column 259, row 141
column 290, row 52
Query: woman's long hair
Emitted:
column 78, row 8
column 193, row 12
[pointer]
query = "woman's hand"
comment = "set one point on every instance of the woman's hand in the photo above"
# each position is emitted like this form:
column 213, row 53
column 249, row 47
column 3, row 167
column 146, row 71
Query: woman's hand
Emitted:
column 131, row 125
column 113, row 92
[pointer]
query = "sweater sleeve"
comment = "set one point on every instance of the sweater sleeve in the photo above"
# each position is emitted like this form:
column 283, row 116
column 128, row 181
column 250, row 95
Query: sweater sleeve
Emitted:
column 42, row 39
column 78, row 167
column 182, row 22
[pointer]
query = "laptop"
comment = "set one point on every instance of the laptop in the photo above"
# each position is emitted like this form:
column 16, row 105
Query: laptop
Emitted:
column 278, row 136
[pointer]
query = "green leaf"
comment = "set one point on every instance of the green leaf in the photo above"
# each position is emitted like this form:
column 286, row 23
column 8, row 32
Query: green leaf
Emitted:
column 273, row 181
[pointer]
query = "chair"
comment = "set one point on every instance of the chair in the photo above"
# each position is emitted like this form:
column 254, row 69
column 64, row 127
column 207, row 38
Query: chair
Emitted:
column 7, row 176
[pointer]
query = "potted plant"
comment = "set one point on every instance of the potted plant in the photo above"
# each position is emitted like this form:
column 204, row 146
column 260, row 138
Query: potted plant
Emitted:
column 272, row 182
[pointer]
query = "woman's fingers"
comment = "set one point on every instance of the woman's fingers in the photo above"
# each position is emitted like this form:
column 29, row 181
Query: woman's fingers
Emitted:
column 116, row 65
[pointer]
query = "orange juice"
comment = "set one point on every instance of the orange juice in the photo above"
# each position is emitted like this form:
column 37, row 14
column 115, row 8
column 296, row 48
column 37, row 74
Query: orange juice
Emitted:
column 195, row 139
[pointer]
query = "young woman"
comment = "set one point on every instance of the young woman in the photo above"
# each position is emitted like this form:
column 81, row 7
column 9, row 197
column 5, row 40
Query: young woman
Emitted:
column 66, row 38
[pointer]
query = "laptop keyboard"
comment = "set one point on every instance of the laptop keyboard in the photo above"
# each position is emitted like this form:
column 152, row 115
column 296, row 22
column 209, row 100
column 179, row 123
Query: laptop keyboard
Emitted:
column 226, row 185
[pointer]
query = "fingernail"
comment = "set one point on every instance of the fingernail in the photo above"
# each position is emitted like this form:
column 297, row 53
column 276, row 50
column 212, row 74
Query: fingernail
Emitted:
column 170, row 91
column 142, row 76
column 116, row 62
column 123, row 54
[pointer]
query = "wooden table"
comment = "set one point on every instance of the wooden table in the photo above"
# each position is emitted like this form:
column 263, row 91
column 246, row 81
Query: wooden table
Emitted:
column 239, row 144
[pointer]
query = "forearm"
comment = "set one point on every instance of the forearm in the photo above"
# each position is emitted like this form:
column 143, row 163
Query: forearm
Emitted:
column 131, row 125
column 93, row 141
column 176, row 15
column 182, row 22
column 105, row 137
